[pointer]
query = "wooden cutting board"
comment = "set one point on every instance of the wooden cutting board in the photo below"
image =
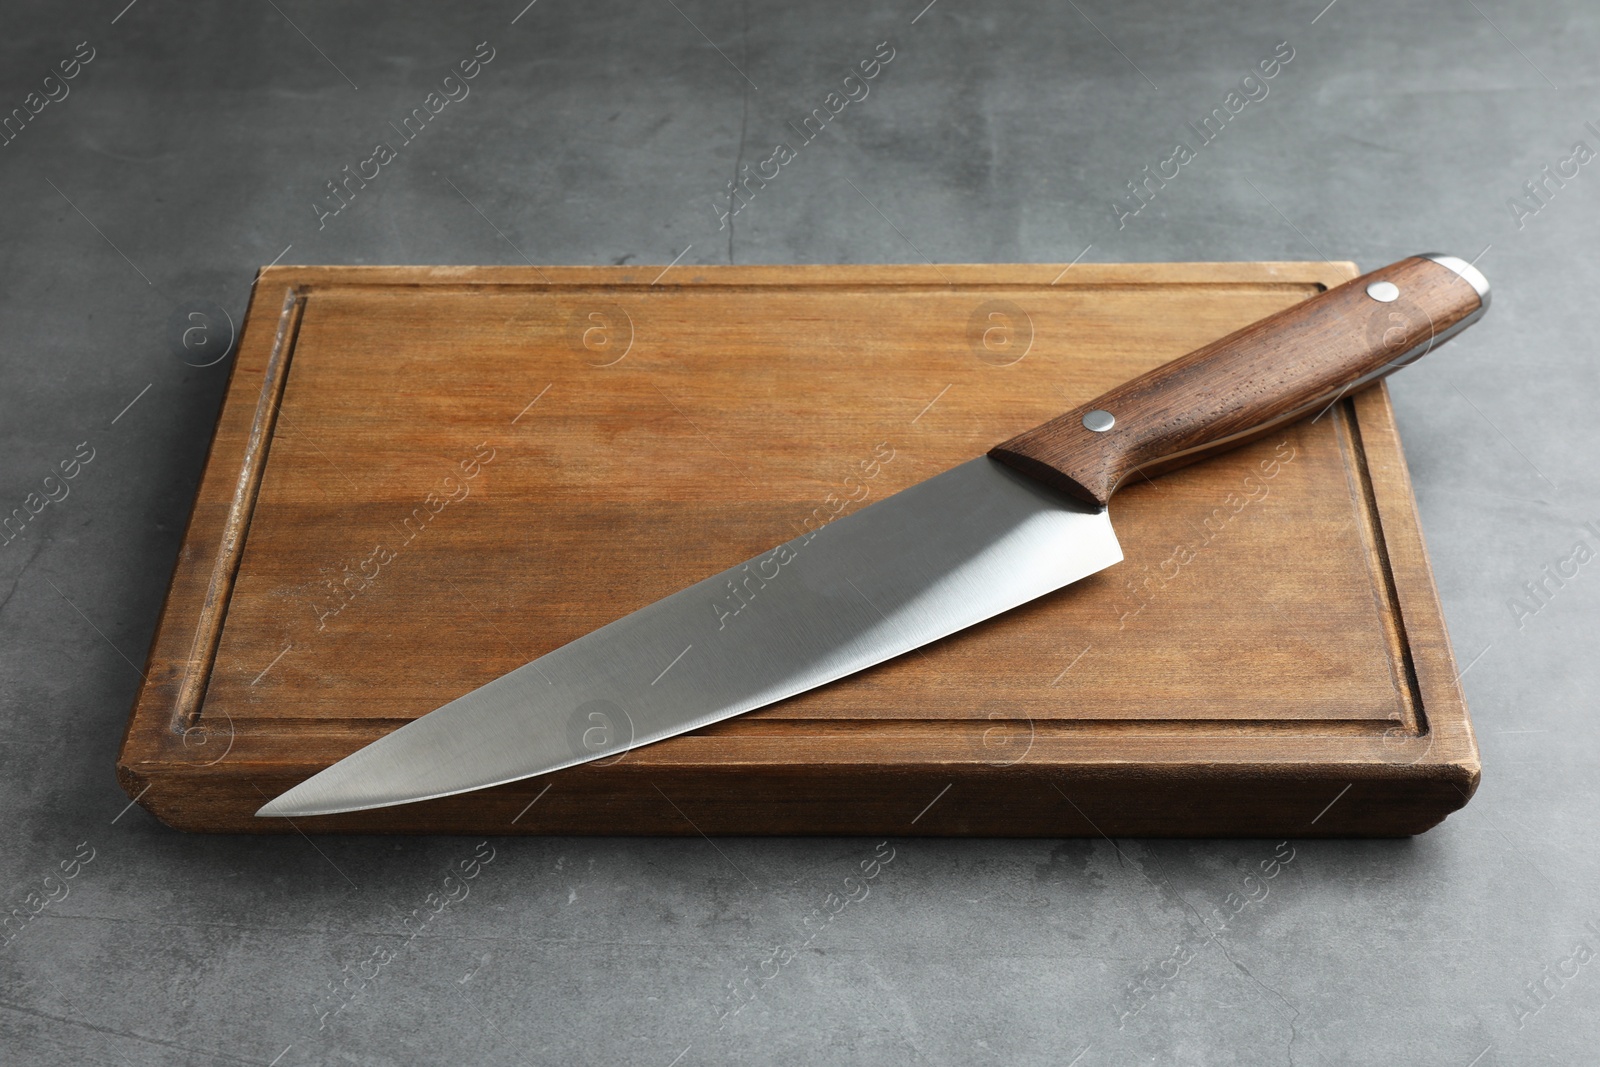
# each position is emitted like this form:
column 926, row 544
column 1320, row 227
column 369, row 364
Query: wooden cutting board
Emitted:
column 423, row 477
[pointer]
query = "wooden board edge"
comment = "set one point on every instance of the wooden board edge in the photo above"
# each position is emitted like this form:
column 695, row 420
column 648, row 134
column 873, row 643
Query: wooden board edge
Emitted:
column 1296, row 273
column 1205, row 801
column 1448, row 724
column 164, row 723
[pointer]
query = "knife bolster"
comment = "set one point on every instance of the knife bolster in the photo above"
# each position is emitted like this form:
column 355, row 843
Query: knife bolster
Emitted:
column 1288, row 366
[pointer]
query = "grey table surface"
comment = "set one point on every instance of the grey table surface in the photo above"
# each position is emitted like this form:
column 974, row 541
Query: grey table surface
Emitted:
column 190, row 147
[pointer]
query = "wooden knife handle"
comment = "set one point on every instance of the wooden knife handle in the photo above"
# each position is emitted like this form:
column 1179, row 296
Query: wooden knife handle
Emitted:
column 1286, row 366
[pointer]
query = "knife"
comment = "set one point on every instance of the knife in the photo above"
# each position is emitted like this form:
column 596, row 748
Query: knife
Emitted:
column 964, row 546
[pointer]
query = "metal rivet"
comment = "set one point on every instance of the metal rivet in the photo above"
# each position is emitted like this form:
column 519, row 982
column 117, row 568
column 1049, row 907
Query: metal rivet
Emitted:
column 1384, row 292
column 1099, row 421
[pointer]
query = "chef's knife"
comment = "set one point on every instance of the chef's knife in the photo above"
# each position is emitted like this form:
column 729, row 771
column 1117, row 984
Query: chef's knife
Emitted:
column 959, row 548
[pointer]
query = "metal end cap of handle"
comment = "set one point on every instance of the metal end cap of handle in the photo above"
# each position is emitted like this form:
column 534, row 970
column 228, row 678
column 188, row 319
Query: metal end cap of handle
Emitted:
column 1474, row 277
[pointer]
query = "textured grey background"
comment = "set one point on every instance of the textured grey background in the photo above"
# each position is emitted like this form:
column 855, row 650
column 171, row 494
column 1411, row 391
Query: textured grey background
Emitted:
column 188, row 153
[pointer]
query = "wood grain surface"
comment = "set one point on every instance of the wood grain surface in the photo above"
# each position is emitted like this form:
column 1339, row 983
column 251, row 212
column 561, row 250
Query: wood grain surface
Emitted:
column 424, row 477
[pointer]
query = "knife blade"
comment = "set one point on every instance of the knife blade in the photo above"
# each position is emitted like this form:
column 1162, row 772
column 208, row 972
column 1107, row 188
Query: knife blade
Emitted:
column 984, row 537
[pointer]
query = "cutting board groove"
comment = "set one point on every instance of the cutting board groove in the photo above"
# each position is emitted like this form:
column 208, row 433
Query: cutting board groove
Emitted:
column 488, row 470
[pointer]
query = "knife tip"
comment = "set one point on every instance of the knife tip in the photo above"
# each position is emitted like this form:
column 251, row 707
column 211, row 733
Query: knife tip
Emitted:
column 275, row 808
column 317, row 797
column 291, row 803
